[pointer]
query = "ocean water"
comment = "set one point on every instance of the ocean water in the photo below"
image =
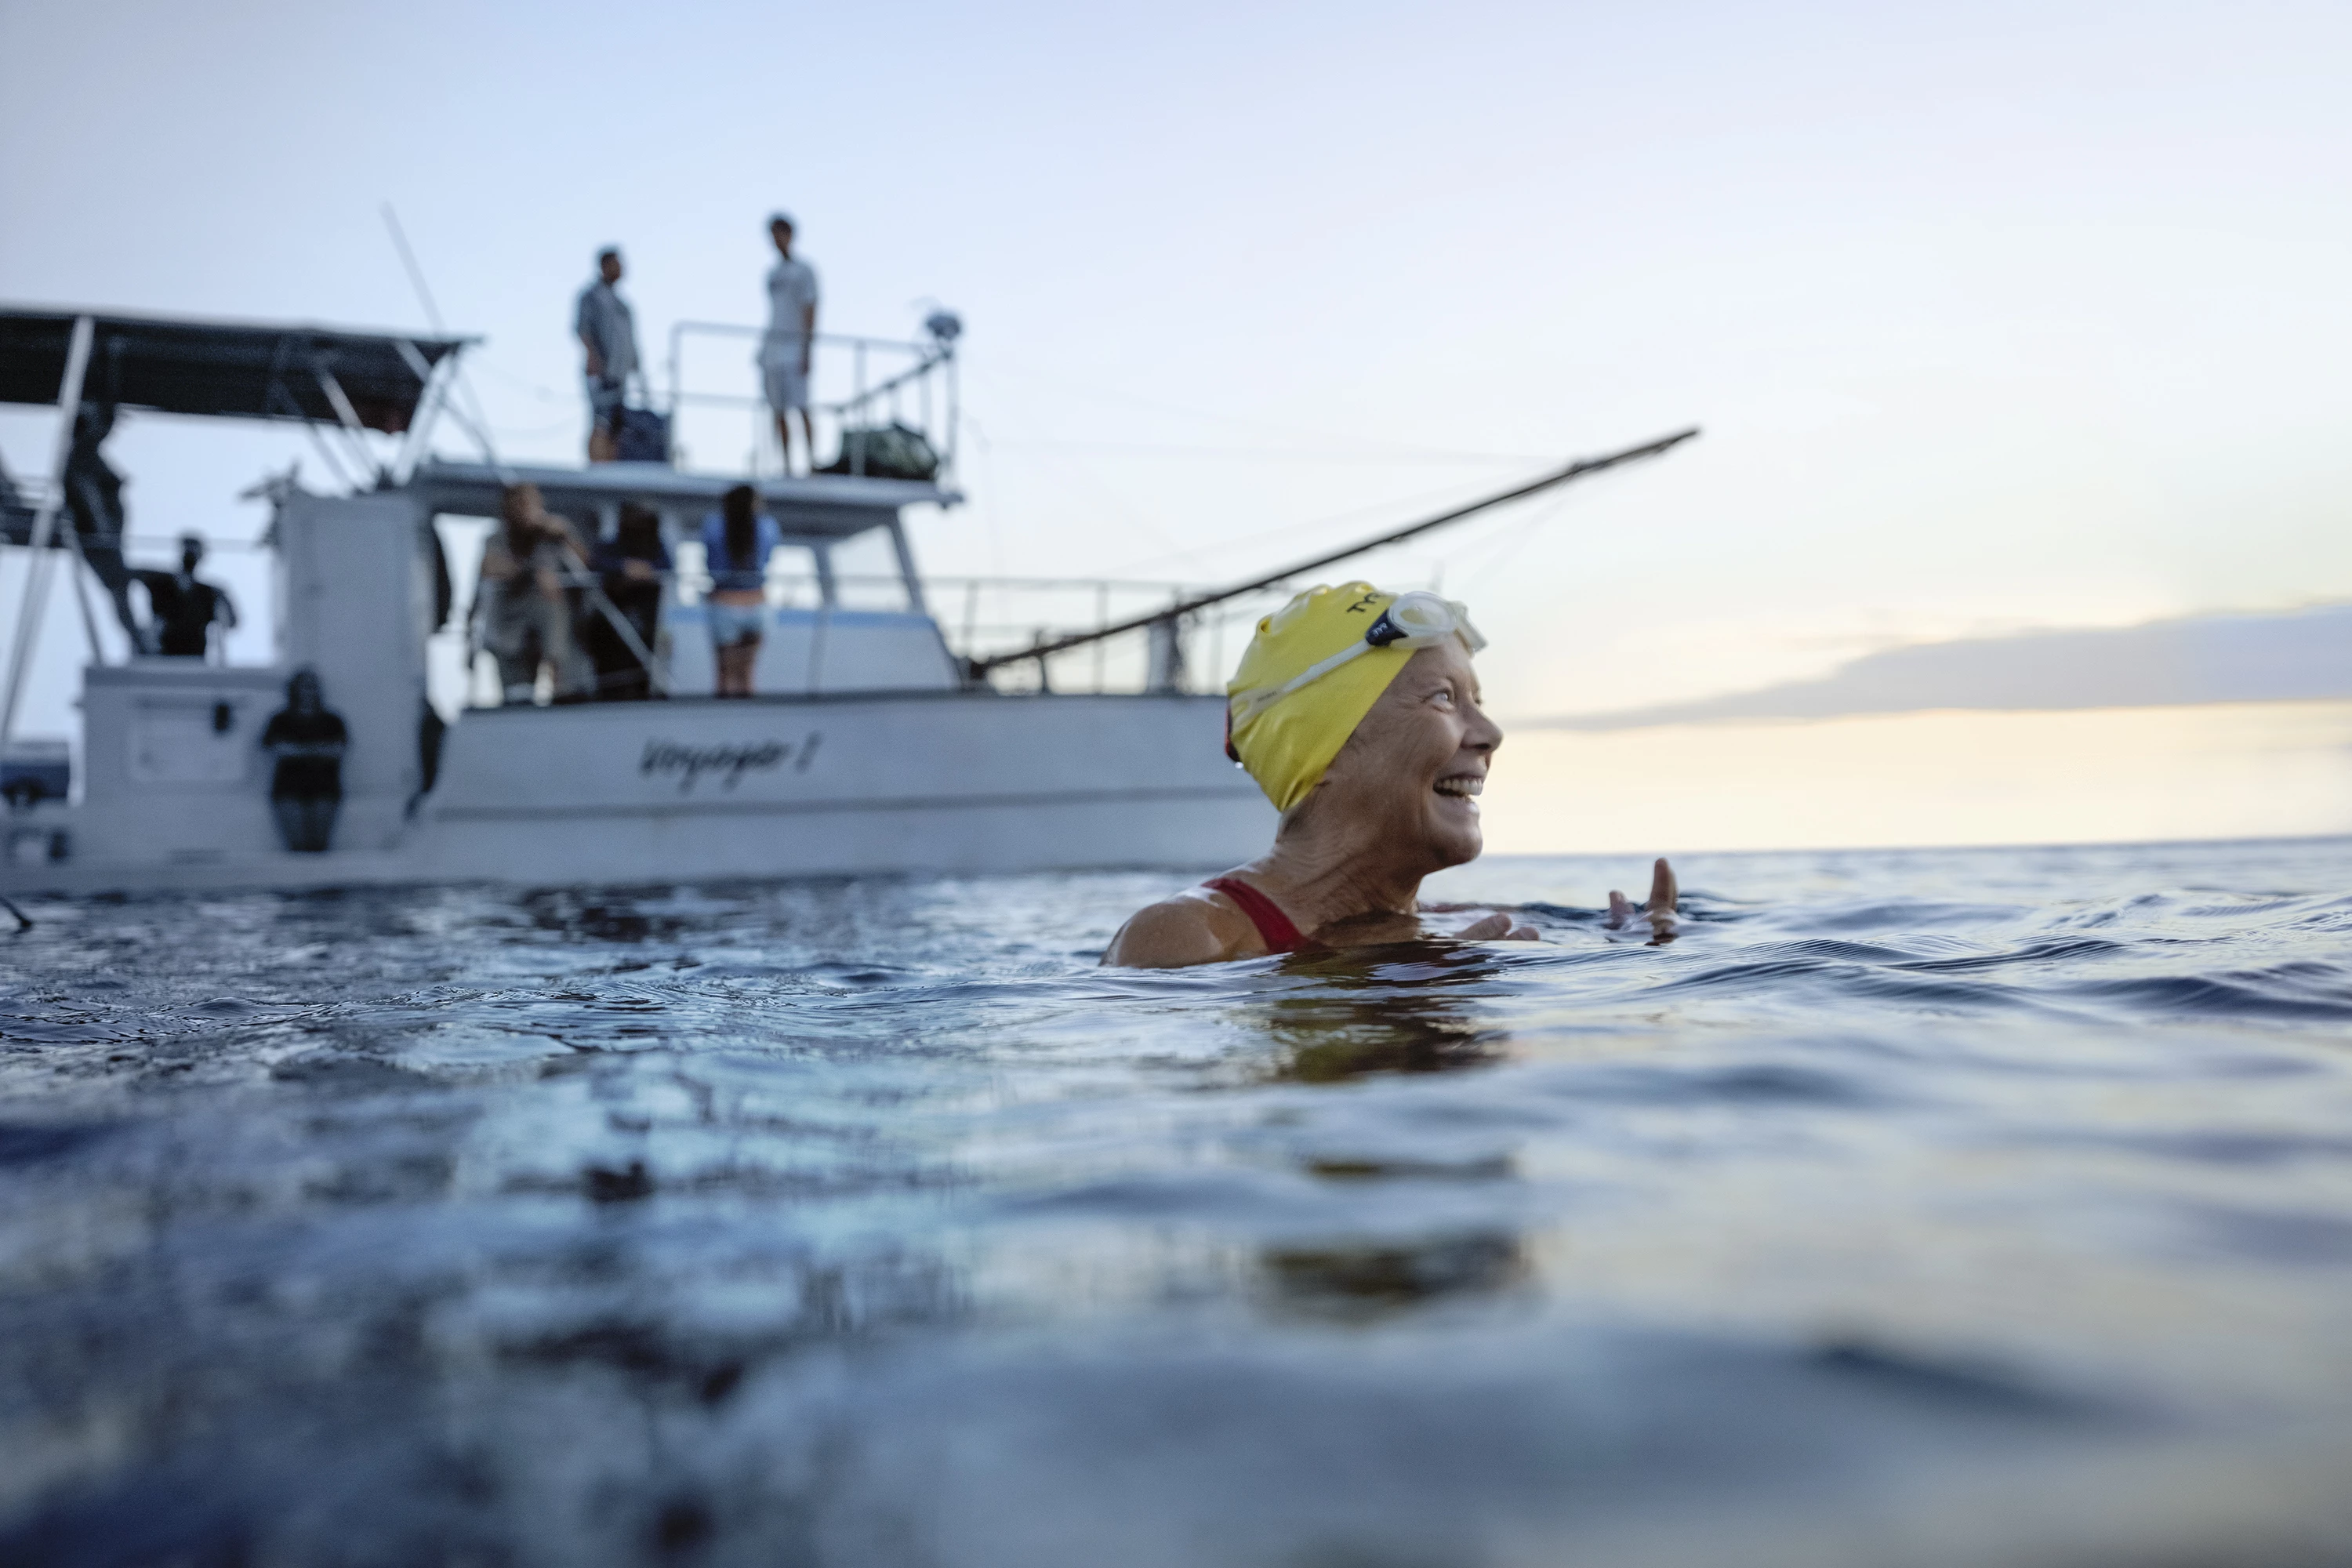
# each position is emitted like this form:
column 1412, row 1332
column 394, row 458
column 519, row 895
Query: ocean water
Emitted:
column 1949, row 1207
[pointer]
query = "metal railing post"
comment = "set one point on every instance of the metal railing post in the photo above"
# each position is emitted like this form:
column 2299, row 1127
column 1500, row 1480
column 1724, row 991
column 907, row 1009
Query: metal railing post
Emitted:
column 857, row 463
column 81, row 597
column 955, row 411
column 1102, row 619
column 907, row 572
column 677, row 376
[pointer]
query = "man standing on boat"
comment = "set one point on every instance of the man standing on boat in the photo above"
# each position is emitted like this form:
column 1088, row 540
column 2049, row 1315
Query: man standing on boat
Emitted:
column 94, row 501
column 183, row 610
column 608, row 331
column 792, row 332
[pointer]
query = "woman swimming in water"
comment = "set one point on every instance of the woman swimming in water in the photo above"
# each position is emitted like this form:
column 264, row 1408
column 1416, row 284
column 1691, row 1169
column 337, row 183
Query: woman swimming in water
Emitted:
column 1356, row 712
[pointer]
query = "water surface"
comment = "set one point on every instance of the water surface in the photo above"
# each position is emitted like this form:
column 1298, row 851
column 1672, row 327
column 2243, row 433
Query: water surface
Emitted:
column 1982, row 1206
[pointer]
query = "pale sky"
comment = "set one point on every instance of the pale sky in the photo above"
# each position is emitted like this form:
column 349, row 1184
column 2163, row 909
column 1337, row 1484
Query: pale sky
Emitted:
column 2024, row 316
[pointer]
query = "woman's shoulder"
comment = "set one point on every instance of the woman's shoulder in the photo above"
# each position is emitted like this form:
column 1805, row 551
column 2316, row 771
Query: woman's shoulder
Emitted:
column 1198, row 925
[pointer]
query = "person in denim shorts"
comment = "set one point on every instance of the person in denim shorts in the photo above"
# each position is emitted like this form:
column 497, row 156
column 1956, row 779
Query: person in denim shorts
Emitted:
column 736, row 541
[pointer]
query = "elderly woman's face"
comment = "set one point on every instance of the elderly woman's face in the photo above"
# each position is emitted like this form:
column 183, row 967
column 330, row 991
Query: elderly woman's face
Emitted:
column 1418, row 761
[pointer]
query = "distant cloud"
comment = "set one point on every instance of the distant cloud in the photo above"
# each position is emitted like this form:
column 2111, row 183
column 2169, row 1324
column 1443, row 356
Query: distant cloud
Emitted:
column 2206, row 658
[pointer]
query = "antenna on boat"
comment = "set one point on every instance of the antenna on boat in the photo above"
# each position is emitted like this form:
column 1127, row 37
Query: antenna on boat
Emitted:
column 416, row 273
column 477, row 423
column 1168, row 617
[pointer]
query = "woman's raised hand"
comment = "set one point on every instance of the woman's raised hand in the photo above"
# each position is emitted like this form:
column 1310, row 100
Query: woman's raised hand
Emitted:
column 1659, row 912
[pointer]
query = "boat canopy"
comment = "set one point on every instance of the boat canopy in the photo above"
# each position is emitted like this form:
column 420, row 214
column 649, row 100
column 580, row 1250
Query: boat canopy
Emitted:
column 237, row 370
column 819, row 506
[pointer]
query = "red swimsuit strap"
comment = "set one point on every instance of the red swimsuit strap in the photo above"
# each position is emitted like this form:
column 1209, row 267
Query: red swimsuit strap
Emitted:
column 1274, row 927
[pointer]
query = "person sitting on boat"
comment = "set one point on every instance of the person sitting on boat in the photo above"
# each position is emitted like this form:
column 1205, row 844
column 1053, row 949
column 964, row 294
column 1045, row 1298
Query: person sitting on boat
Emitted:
column 607, row 330
column 737, row 541
column 182, row 609
column 1358, row 712
column 519, row 606
column 308, row 741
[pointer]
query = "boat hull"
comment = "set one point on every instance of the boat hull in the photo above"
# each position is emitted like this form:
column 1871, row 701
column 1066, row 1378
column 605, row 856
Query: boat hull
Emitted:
column 701, row 789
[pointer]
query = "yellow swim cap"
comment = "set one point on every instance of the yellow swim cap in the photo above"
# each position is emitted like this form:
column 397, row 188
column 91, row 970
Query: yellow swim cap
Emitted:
column 1311, row 676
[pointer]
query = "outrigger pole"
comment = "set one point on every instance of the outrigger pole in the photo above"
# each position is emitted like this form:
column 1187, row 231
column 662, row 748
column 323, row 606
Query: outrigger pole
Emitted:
column 979, row 667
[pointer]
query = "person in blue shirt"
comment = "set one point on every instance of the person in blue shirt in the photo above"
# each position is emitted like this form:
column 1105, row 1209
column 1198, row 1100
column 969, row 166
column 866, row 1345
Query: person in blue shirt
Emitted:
column 736, row 541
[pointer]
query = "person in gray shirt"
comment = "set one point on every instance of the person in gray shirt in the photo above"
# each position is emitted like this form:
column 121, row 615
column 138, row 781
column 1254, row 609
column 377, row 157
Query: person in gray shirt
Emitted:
column 608, row 331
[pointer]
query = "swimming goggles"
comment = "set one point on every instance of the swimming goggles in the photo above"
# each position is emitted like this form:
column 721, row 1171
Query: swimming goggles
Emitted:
column 1415, row 619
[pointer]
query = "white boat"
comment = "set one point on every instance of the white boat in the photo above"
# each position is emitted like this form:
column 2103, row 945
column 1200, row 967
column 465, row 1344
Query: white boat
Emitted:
column 872, row 747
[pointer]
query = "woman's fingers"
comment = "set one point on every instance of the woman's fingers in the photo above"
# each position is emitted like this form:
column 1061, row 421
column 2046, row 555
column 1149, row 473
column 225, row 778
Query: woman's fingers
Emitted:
column 1666, row 895
column 1666, row 898
column 1498, row 927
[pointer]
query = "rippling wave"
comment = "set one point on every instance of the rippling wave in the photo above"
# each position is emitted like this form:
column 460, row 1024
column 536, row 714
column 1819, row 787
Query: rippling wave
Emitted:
column 1984, row 1206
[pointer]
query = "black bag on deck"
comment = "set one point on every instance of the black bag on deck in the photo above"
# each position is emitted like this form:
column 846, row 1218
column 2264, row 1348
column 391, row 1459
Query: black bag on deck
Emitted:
column 644, row 437
column 889, row 452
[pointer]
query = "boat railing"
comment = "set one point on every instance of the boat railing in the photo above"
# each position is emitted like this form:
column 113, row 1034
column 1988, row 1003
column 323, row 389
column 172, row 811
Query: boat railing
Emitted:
column 21, row 499
column 860, row 386
column 991, row 623
column 988, row 621
column 982, row 620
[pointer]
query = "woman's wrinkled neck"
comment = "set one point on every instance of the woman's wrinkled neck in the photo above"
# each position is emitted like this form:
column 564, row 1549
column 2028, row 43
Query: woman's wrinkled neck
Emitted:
column 1330, row 866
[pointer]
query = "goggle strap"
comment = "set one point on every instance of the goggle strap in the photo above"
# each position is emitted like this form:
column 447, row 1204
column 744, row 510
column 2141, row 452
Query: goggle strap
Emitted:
column 1246, row 705
column 1258, row 699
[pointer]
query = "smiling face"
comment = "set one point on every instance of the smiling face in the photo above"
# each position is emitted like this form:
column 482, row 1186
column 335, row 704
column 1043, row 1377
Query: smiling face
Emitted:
column 1415, row 766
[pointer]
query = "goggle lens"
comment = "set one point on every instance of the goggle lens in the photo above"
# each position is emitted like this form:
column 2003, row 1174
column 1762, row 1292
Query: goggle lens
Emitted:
column 1419, row 617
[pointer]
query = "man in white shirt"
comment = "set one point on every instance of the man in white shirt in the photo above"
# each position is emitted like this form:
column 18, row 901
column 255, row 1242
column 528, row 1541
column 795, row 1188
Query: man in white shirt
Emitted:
column 792, row 331
column 608, row 331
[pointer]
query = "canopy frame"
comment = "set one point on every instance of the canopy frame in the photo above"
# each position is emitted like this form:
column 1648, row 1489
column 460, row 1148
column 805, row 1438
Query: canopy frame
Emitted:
column 356, row 380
